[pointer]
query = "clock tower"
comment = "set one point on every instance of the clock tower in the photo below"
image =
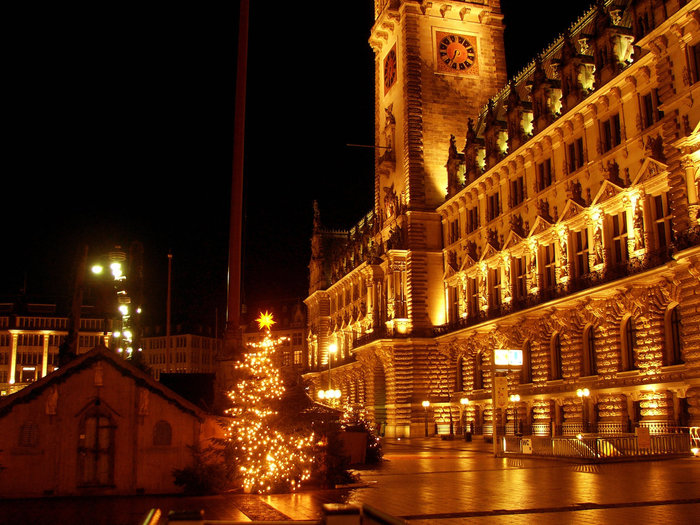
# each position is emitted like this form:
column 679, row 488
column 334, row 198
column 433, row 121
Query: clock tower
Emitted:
column 436, row 65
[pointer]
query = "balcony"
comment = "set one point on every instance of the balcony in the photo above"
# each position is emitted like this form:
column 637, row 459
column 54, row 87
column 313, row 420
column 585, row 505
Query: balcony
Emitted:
column 612, row 273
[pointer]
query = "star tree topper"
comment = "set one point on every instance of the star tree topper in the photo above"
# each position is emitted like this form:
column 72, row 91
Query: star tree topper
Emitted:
column 265, row 321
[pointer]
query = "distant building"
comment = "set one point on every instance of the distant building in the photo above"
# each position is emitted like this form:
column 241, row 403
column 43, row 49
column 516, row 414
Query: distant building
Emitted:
column 30, row 336
column 185, row 353
column 556, row 214
column 290, row 324
column 97, row 426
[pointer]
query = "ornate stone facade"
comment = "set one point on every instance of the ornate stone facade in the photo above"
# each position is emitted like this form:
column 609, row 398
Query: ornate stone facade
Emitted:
column 569, row 229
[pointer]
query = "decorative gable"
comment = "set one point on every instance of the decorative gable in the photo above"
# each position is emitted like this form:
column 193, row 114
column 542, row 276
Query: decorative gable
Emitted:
column 571, row 210
column 607, row 191
column 649, row 170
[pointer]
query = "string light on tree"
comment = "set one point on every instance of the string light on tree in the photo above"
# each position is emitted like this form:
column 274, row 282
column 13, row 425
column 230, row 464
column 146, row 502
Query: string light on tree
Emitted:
column 267, row 459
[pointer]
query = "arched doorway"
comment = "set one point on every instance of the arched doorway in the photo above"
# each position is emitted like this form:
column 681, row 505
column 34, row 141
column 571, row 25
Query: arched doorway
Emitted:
column 379, row 401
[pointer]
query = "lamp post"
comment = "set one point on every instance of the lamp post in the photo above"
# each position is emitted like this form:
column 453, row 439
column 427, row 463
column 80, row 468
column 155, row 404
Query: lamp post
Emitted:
column 330, row 395
column 463, row 402
column 583, row 394
column 332, row 349
column 515, row 399
column 426, row 404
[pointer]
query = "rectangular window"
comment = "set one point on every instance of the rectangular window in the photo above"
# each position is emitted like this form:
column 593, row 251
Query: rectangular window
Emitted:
column 453, row 231
column 495, row 279
column 619, row 237
column 473, row 291
column 544, row 174
column 520, row 278
column 493, row 206
column 517, row 192
column 662, row 218
column 575, row 152
column 452, row 304
column 472, row 219
column 550, row 264
column 610, row 135
column 649, row 108
column 694, row 62
column 581, row 249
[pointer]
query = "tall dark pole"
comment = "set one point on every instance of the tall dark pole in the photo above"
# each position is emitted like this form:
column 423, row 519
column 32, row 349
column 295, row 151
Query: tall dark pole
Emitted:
column 168, row 355
column 69, row 347
column 233, row 313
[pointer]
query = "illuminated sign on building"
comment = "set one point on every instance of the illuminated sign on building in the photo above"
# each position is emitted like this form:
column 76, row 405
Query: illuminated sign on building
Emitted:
column 508, row 357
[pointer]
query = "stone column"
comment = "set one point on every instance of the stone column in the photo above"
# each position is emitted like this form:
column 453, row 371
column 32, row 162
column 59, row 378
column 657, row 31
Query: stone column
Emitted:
column 45, row 356
column 13, row 357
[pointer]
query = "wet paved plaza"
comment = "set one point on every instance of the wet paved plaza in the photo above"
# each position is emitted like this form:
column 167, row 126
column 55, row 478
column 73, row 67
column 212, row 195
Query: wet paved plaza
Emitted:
column 428, row 481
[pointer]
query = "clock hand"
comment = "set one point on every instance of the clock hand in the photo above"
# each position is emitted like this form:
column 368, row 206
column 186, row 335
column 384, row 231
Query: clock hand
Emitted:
column 456, row 54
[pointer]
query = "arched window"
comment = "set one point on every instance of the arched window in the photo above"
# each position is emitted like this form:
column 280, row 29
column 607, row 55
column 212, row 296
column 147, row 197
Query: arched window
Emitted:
column 162, row 434
column 628, row 338
column 590, row 365
column 96, row 448
column 555, row 351
column 672, row 329
column 526, row 372
column 478, row 372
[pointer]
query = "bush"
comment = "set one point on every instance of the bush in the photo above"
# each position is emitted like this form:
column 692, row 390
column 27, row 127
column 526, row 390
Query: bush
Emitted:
column 207, row 474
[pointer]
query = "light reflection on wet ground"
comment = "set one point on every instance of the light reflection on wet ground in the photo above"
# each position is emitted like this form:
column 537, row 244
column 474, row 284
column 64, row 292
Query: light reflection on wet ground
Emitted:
column 430, row 481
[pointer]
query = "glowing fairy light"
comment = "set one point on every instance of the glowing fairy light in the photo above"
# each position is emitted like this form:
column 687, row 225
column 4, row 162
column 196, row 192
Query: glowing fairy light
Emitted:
column 267, row 459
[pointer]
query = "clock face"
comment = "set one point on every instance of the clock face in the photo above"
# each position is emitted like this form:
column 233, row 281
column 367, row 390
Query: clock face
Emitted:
column 389, row 69
column 455, row 53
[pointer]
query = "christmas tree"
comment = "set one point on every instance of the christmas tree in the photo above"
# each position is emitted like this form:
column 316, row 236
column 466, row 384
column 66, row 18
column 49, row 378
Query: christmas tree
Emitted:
column 265, row 458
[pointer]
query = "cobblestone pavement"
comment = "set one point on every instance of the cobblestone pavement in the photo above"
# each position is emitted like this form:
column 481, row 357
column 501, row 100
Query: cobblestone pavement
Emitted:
column 430, row 481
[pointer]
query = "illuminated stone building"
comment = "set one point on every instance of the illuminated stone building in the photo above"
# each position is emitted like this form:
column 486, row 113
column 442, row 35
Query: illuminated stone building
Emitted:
column 30, row 336
column 555, row 213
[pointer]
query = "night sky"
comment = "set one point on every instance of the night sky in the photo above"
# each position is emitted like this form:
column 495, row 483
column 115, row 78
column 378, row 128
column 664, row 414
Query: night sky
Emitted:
column 119, row 126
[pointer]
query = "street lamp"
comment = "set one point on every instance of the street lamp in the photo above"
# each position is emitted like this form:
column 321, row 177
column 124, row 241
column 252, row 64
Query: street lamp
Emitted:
column 515, row 399
column 426, row 404
column 330, row 394
column 583, row 394
column 463, row 402
column 332, row 349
